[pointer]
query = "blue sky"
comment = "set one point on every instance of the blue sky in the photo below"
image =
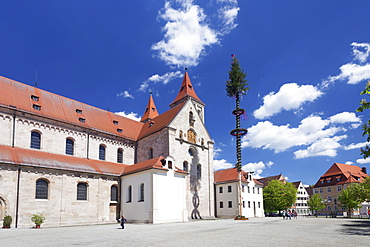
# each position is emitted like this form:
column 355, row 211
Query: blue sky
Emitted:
column 306, row 63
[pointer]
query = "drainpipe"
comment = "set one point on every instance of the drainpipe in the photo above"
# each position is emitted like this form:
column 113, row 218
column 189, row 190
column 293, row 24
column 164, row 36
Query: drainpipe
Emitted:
column 87, row 145
column 17, row 203
column 13, row 134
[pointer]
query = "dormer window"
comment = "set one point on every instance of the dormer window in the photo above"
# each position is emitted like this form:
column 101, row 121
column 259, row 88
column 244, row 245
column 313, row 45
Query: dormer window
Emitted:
column 35, row 98
column 36, row 107
column 151, row 124
column 119, row 130
column 79, row 111
column 115, row 122
column 82, row 120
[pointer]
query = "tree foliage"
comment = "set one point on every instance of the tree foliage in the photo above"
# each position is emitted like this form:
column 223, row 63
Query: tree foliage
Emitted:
column 278, row 196
column 355, row 194
column 316, row 203
column 237, row 84
column 365, row 152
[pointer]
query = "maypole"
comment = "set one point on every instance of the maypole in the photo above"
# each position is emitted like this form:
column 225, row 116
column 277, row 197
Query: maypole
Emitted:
column 236, row 87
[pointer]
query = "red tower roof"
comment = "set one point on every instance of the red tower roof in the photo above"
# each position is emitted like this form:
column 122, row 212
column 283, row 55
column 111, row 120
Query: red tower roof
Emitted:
column 150, row 111
column 186, row 91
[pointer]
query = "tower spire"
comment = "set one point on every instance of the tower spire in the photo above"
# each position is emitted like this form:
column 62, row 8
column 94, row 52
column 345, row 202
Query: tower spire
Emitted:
column 186, row 91
column 150, row 111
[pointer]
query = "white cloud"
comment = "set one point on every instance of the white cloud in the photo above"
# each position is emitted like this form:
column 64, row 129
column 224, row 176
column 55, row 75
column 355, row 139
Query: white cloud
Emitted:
column 131, row 115
column 257, row 168
column 348, row 163
column 290, row 96
column 322, row 147
column 361, row 51
column 166, row 78
column 125, row 94
column 352, row 72
column 313, row 131
column 188, row 31
column 356, row 145
column 345, row 117
column 221, row 164
column 363, row 161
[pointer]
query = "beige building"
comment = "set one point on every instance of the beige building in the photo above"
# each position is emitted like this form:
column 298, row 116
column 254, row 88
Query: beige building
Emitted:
column 77, row 164
column 336, row 179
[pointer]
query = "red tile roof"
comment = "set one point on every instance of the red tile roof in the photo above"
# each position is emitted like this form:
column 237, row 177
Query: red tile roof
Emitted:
column 37, row 158
column 150, row 110
column 229, row 175
column 186, row 90
column 346, row 174
column 18, row 95
column 266, row 180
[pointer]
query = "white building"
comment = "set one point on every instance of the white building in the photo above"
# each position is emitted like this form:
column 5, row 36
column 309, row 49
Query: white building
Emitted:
column 301, row 206
column 77, row 164
column 226, row 192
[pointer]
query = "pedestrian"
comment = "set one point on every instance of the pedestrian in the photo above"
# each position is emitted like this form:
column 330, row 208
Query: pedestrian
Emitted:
column 295, row 214
column 283, row 215
column 368, row 213
column 122, row 220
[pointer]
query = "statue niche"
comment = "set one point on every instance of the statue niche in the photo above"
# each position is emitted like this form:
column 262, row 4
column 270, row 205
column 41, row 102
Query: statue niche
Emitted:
column 192, row 137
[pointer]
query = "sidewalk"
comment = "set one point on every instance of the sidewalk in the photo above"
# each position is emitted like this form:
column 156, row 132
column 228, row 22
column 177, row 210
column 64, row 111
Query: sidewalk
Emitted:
column 220, row 232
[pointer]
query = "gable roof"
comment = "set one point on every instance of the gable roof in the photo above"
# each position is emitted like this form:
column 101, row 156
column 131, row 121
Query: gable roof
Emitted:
column 150, row 110
column 160, row 122
column 186, row 91
column 16, row 95
column 37, row 158
column 230, row 175
column 266, row 180
column 341, row 174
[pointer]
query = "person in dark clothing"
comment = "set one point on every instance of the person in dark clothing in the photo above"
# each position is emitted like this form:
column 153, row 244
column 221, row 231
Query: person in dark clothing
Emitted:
column 122, row 220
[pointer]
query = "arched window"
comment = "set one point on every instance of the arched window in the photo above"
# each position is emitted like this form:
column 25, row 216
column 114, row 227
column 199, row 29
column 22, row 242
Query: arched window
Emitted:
column 199, row 171
column 114, row 193
column 35, row 140
column 185, row 166
column 70, row 146
column 169, row 164
column 141, row 196
column 191, row 119
column 82, row 191
column 120, row 155
column 42, row 189
column 102, row 152
column 150, row 153
column 129, row 194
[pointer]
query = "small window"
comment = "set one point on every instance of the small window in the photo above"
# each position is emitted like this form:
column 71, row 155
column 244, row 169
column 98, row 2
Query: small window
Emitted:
column 115, row 122
column 249, row 204
column 221, row 190
column 199, row 171
column 151, row 124
column 339, row 188
column 169, row 164
column 79, row 111
column 328, row 181
column 114, row 193
column 35, row 140
column 82, row 120
column 253, row 191
column 230, row 204
column 150, row 153
column 36, row 107
column 243, row 204
column 42, row 189
column 120, row 155
column 321, row 190
column 259, row 204
column 35, row 98
column 119, row 130
column 249, row 190
column 221, row 204
column 229, row 188
column 101, row 152
column 185, row 166
column 129, row 194
column 81, row 191
column 141, row 196
column 316, row 191
column 329, row 189
column 338, row 179
column 258, row 190
column 69, row 146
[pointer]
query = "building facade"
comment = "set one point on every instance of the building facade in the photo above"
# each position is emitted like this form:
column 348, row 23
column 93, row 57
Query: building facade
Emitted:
column 77, row 164
column 227, row 199
column 331, row 184
column 301, row 206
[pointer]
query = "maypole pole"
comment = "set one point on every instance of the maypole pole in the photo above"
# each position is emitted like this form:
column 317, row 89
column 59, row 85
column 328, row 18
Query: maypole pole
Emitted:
column 236, row 87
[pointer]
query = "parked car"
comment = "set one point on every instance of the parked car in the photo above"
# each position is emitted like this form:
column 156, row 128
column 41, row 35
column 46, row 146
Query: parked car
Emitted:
column 271, row 215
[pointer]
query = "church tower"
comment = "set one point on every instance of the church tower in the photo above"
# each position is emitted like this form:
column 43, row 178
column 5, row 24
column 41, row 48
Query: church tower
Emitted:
column 187, row 92
column 150, row 110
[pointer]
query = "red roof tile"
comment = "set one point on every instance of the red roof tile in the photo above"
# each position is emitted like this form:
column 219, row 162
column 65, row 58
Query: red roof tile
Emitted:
column 229, row 175
column 18, row 95
column 39, row 158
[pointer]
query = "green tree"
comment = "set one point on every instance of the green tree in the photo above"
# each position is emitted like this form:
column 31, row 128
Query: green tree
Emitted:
column 278, row 196
column 365, row 152
column 316, row 203
column 351, row 197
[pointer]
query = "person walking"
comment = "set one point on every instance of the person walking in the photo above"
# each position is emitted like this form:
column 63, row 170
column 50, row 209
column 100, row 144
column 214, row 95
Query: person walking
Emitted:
column 122, row 220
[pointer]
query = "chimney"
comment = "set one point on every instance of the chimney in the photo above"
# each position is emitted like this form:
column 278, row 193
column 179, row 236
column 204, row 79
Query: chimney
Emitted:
column 363, row 169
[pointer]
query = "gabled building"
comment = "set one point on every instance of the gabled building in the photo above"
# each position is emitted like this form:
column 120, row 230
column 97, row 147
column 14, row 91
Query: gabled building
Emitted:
column 78, row 164
column 334, row 180
column 301, row 206
column 266, row 180
column 226, row 194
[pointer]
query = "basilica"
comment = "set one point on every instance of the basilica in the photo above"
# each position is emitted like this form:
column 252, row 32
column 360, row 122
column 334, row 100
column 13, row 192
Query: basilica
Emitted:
column 76, row 164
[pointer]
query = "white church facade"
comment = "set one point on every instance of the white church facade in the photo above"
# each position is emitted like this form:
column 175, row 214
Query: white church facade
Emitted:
column 76, row 164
